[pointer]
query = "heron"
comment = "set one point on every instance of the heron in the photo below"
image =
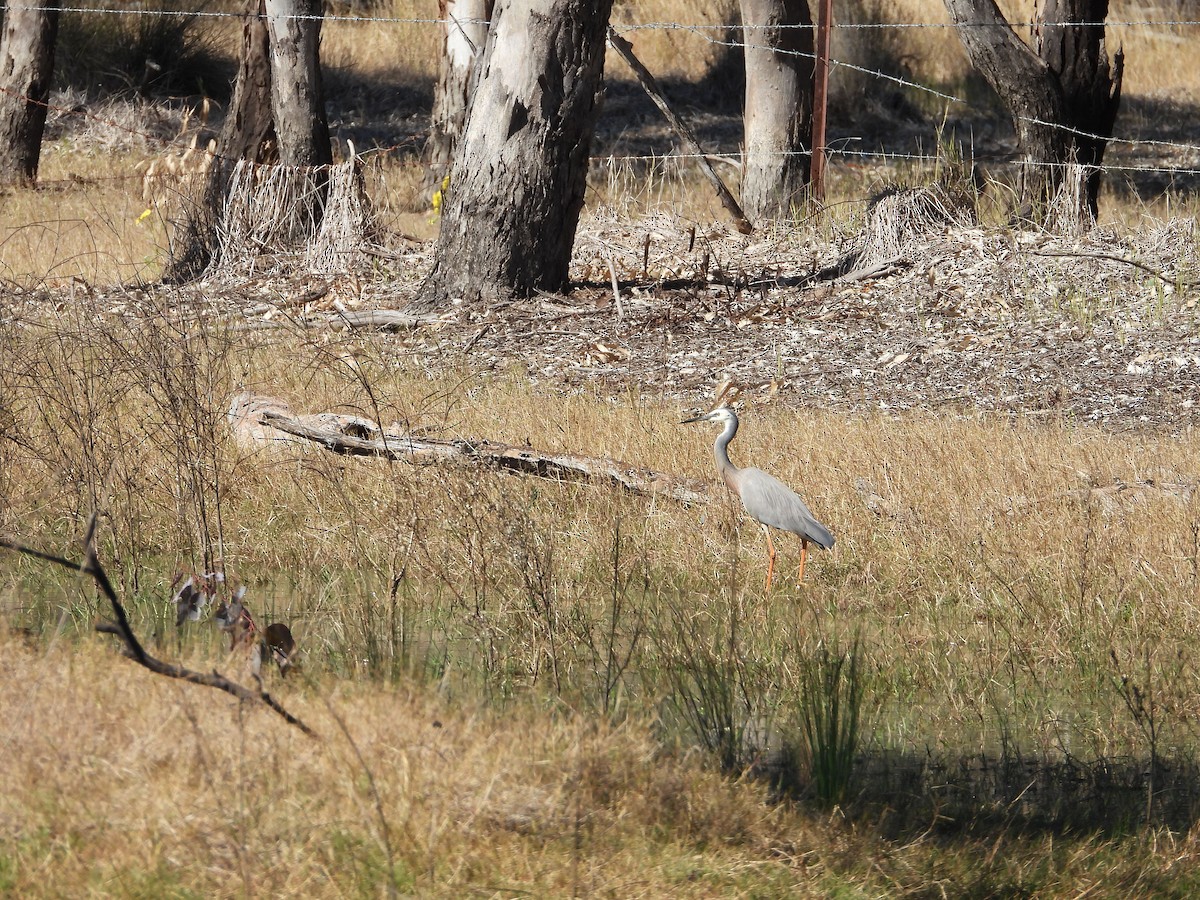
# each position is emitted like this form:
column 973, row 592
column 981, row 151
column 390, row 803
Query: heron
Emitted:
column 768, row 500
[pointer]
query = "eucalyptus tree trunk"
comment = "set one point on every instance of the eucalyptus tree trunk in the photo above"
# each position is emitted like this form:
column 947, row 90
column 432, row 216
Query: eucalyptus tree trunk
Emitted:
column 1077, row 56
column 249, row 128
column 1063, row 97
column 777, row 117
column 518, row 179
column 248, row 133
column 26, row 67
column 277, row 114
column 464, row 31
column 297, row 102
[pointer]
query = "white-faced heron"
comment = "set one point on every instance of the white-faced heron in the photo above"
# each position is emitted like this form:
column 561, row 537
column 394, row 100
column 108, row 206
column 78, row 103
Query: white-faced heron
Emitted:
column 768, row 500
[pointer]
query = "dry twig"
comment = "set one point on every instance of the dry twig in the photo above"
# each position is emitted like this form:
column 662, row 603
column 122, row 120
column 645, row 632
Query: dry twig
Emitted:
column 690, row 142
column 1112, row 257
column 133, row 648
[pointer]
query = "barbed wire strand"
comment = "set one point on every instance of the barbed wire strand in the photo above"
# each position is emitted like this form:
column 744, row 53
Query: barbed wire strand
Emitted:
column 889, row 155
column 169, row 143
column 699, row 30
column 881, row 156
column 862, row 26
column 621, row 28
column 916, row 85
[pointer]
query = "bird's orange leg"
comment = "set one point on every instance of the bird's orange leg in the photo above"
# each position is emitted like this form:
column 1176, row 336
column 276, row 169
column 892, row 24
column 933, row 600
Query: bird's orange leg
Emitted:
column 770, row 556
column 803, row 556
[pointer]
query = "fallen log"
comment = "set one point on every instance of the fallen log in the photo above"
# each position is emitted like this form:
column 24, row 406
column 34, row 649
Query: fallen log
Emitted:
column 387, row 319
column 265, row 419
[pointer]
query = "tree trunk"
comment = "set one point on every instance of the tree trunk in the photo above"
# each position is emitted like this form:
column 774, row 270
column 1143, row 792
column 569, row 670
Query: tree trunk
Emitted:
column 1091, row 88
column 518, row 180
column 26, row 67
column 298, row 105
column 247, row 133
column 249, row 128
column 277, row 114
column 1045, row 93
column 778, row 112
column 297, row 102
column 464, row 31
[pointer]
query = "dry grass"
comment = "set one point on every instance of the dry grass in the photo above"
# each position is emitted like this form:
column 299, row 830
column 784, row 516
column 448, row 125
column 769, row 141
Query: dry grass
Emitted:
column 457, row 622
column 408, row 48
column 81, row 224
column 120, row 785
column 509, row 655
column 934, row 56
column 930, row 55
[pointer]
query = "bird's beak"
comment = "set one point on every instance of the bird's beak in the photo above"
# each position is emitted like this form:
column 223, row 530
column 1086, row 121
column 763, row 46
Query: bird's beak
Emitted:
column 693, row 419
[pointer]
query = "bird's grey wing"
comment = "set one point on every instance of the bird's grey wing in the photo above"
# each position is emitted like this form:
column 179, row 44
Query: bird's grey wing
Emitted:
column 773, row 503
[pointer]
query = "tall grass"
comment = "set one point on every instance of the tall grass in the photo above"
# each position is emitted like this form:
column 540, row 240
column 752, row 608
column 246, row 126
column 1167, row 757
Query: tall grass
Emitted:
column 514, row 677
column 833, row 694
column 1006, row 585
column 525, row 664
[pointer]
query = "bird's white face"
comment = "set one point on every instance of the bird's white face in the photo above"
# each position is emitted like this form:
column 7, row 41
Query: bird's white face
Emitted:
column 722, row 415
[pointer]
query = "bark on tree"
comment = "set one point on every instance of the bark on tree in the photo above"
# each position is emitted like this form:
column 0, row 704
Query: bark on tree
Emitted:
column 777, row 117
column 26, row 67
column 297, row 101
column 278, row 81
column 1053, row 94
column 464, row 32
column 1077, row 55
column 518, row 180
column 249, row 129
column 247, row 133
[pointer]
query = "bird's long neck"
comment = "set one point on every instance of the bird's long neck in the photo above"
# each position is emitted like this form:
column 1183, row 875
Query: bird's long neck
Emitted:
column 727, row 470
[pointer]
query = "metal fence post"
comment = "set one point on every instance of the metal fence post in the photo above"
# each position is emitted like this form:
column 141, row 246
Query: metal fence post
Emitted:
column 820, row 98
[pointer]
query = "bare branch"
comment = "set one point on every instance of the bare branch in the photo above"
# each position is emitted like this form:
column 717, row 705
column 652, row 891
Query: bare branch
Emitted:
column 690, row 142
column 1114, row 258
column 132, row 648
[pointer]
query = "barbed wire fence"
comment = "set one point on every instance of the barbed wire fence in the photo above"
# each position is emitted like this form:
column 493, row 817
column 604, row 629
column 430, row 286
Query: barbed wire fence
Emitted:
column 729, row 36
column 713, row 34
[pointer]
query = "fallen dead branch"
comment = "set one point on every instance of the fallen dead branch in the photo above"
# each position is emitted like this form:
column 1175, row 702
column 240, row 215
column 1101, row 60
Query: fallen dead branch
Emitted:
column 1112, row 257
column 133, row 648
column 255, row 417
column 387, row 319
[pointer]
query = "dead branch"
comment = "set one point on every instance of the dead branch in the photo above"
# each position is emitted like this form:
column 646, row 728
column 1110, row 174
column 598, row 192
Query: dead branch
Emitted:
column 387, row 319
column 690, row 142
column 132, row 647
column 878, row 270
column 1112, row 257
column 355, row 436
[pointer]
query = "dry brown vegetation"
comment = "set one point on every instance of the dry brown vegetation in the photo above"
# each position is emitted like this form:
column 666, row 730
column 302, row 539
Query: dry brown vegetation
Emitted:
column 523, row 686
column 153, row 791
column 1012, row 584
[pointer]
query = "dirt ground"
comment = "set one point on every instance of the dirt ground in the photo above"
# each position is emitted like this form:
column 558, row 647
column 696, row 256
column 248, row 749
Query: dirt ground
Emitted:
column 1098, row 329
